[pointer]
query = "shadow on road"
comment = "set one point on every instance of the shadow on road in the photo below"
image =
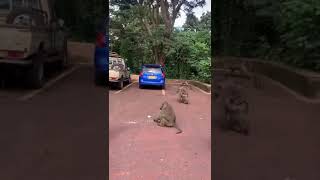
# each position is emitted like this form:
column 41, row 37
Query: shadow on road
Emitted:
column 16, row 81
column 116, row 131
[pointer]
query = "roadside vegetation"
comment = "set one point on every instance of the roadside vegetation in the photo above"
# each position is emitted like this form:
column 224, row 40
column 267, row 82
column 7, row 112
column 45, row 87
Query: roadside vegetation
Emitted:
column 142, row 32
column 286, row 31
column 81, row 17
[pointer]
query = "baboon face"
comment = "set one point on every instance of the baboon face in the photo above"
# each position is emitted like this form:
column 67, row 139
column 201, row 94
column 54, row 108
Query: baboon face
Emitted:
column 183, row 91
column 164, row 105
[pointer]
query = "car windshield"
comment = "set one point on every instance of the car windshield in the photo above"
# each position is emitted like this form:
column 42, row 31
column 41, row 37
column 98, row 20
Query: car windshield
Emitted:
column 152, row 70
column 4, row 5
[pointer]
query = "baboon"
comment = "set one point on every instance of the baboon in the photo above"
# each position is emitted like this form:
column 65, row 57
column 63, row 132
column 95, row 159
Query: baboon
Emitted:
column 232, row 97
column 186, row 84
column 236, row 113
column 183, row 95
column 167, row 117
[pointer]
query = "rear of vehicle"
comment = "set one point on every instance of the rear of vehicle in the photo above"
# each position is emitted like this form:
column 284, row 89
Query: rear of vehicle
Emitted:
column 119, row 73
column 152, row 75
column 22, row 31
column 101, row 57
column 14, row 44
column 15, row 34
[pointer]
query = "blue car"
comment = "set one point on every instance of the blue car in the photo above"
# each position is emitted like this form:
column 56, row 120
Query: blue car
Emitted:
column 101, row 58
column 152, row 75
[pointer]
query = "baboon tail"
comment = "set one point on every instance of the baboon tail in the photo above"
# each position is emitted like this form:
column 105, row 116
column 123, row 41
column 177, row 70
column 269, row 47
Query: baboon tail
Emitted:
column 179, row 130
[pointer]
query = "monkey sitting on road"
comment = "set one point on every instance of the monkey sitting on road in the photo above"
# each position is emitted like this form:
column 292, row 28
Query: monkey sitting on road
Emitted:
column 235, row 107
column 183, row 95
column 167, row 117
column 236, row 111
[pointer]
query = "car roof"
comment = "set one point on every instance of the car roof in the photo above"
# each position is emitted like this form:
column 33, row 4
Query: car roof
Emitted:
column 152, row 65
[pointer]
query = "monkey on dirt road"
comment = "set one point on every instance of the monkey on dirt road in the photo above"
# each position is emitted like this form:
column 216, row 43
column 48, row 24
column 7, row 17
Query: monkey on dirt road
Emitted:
column 236, row 110
column 167, row 117
column 183, row 95
column 233, row 99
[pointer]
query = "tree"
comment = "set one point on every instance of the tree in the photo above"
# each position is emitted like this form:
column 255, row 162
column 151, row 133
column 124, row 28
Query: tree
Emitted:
column 157, row 17
column 81, row 16
column 192, row 22
column 205, row 21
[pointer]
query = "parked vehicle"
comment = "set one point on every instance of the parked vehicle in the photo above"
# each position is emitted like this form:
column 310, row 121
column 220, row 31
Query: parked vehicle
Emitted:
column 152, row 75
column 101, row 57
column 119, row 73
column 30, row 37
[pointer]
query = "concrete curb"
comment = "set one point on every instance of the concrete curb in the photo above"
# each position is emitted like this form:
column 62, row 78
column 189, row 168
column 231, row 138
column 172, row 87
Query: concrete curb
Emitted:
column 278, row 84
column 304, row 82
column 203, row 86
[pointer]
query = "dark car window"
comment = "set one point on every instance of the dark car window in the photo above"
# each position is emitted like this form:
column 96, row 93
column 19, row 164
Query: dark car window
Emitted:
column 152, row 70
column 4, row 5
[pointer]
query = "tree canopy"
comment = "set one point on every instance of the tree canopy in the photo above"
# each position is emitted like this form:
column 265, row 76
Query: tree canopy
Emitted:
column 285, row 31
column 143, row 32
column 81, row 16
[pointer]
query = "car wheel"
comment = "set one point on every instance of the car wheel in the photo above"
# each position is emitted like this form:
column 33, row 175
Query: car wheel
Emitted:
column 120, row 85
column 36, row 73
column 64, row 62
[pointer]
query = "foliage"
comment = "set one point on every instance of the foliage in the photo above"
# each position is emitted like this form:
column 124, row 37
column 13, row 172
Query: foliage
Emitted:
column 186, row 52
column 189, row 56
column 300, row 32
column 81, row 17
column 286, row 31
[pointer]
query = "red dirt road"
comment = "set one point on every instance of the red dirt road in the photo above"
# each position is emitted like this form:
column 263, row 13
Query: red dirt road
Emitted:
column 284, row 142
column 141, row 150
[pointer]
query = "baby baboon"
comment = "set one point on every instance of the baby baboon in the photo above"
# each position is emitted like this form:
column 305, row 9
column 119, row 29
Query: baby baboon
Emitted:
column 236, row 111
column 183, row 95
column 167, row 117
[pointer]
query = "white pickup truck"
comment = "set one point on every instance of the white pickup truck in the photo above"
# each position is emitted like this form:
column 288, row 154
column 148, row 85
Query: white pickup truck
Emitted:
column 30, row 37
column 119, row 73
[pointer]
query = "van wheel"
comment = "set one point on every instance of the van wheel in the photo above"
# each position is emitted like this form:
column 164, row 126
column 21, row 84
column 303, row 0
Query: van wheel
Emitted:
column 129, row 81
column 64, row 62
column 120, row 84
column 35, row 74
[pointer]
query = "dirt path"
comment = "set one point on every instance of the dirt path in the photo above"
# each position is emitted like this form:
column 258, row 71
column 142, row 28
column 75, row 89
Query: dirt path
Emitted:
column 138, row 149
column 280, row 146
column 58, row 134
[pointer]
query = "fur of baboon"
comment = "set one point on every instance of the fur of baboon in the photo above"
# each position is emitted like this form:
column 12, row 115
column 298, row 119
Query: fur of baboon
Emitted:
column 185, row 84
column 231, row 95
column 167, row 117
column 183, row 95
column 236, row 114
